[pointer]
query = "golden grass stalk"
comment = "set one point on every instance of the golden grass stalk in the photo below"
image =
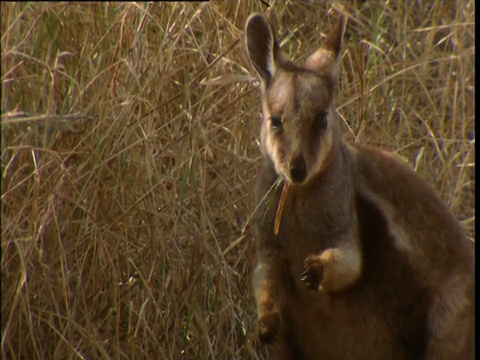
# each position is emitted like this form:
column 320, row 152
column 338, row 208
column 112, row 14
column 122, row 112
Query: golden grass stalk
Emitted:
column 127, row 184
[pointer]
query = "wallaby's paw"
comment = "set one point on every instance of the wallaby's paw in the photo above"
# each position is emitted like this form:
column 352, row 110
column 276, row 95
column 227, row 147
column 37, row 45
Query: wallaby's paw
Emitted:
column 312, row 274
column 269, row 327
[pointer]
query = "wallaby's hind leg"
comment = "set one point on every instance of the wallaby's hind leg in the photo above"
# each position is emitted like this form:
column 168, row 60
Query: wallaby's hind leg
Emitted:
column 267, row 306
column 451, row 336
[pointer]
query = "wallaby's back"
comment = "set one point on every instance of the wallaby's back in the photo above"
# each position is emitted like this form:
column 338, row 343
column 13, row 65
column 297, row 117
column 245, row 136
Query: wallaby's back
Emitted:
column 357, row 256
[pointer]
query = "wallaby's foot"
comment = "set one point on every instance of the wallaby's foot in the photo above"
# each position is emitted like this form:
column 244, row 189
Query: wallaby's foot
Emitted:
column 269, row 326
column 312, row 274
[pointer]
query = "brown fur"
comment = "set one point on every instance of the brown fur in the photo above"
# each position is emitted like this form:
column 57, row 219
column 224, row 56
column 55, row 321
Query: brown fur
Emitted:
column 369, row 263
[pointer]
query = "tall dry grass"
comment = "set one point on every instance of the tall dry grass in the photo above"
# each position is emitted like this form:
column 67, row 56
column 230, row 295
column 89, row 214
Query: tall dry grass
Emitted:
column 129, row 150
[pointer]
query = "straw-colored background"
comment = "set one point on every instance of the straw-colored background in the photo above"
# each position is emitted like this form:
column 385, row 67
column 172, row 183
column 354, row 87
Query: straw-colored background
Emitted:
column 130, row 147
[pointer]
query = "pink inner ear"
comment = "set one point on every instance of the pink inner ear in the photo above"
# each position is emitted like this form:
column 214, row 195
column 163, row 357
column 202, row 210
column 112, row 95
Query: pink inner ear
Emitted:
column 322, row 61
column 325, row 59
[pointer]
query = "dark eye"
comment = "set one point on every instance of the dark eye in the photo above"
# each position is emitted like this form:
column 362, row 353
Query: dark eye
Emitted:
column 276, row 123
column 320, row 122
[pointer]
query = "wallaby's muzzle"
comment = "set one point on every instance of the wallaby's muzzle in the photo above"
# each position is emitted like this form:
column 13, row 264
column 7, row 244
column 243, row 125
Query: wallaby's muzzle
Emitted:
column 298, row 170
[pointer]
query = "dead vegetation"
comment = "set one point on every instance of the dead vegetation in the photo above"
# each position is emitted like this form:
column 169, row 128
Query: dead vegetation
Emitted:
column 129, row 150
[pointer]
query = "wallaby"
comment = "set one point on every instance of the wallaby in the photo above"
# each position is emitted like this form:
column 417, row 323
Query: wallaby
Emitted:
column 357, row 256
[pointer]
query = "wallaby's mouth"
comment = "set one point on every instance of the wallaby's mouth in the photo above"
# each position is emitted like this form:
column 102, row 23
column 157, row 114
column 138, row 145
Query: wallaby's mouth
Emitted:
column 297, row 170
column 298, row 173
column 299, row 179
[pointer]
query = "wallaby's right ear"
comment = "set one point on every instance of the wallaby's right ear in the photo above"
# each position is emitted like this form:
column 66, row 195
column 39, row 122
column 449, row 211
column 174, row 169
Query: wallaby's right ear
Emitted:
column 262, row 46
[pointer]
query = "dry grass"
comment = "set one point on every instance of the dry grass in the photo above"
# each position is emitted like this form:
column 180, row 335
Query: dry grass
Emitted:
column 129, row 150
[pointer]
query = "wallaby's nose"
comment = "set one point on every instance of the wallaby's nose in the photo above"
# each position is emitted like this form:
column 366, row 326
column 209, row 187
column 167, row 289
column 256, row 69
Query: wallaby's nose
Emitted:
column 298, row 169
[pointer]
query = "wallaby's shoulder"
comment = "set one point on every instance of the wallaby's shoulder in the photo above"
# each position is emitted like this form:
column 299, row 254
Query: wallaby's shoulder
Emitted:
column 388, row 175
column 409, row 203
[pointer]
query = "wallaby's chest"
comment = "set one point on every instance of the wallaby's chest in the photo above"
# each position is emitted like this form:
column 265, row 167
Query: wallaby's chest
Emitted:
column 308, row 223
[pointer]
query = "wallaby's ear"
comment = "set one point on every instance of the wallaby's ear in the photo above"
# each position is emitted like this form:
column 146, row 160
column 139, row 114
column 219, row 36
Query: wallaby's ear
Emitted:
column 261, row 45
column 325, row 59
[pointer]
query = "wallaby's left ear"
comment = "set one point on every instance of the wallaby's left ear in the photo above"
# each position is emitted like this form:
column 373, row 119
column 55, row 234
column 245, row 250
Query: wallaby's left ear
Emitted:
column 325, row 59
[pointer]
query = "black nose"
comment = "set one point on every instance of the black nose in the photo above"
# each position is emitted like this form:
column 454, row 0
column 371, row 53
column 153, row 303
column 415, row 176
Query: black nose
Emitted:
column 298, row 169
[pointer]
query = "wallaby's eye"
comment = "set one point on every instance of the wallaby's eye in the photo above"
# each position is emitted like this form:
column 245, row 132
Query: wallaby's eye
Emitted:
column 320, row 122
column 276, row 123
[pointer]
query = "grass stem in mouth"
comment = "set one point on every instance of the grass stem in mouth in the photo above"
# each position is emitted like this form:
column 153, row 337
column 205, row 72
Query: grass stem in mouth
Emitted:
column 281, row 205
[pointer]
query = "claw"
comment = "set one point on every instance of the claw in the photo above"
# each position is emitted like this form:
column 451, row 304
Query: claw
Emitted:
column 312, row 273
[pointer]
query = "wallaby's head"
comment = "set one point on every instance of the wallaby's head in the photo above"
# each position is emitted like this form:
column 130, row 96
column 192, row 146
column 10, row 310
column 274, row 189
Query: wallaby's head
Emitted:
column 299, row 123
